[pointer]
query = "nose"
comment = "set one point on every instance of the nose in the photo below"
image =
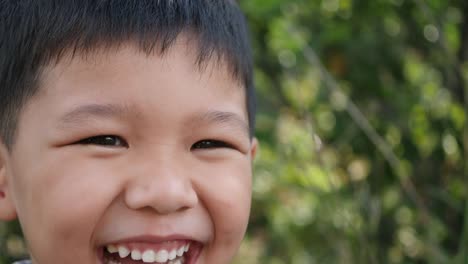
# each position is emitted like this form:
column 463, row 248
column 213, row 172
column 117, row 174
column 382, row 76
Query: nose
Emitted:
column 161, row 186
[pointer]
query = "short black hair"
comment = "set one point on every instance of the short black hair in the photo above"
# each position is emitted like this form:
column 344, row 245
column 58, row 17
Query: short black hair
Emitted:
column 36, row 33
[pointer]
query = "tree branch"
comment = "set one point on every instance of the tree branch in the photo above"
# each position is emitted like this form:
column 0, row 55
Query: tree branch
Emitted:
column 358, row 117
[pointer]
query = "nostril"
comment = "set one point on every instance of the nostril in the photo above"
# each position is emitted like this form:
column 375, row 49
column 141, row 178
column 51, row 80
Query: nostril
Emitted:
column 184, row 208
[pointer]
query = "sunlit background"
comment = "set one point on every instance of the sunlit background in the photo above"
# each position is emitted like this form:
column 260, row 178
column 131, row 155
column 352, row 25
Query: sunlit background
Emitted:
column 361, row 122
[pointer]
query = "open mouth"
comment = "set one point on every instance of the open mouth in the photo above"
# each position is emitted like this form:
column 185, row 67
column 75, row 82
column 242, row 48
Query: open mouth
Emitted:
column 170, row 252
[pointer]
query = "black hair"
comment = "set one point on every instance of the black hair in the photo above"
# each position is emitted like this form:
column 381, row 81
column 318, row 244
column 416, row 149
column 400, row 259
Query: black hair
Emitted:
column 36, row 33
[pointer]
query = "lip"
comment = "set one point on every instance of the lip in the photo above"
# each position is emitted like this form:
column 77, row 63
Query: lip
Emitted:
column 192, row 255
column 150, row 239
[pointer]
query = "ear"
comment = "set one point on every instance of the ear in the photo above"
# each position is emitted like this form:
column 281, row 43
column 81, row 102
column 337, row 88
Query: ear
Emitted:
column 7, row 207
column 253, row 148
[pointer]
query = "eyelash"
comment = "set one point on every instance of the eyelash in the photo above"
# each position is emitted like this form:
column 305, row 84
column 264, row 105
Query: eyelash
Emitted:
column 116, row 141
column 211, row 144
column 105, row 140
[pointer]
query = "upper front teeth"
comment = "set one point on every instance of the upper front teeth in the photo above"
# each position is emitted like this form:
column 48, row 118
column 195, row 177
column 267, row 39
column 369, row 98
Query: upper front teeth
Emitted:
column 123, row 251
column 149, row 255
column 136, row 254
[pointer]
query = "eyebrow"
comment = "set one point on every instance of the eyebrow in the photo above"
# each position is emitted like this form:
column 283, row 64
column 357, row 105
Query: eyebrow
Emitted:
column 224, row 117
column 84, row 113
column 91, row 111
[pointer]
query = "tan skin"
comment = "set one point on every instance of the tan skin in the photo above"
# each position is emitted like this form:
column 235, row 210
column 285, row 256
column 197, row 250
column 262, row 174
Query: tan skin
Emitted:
column 123, row 144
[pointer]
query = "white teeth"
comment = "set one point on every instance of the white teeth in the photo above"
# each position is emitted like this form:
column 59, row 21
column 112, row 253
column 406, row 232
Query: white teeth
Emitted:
column 123, row 252
column 162, row 256
column 172, row 254
column 178, row 261
column 148, row 256
column 112, row 249
column 136, row 254
column 180, row 251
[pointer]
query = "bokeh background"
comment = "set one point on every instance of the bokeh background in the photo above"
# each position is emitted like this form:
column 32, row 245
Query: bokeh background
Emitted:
column 363, row 108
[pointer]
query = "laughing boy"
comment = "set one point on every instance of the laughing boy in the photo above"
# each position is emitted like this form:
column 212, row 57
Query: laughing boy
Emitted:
column 126, row 129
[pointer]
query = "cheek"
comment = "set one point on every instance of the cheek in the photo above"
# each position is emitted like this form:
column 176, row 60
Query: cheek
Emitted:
column 226, row 192
column 65, row 198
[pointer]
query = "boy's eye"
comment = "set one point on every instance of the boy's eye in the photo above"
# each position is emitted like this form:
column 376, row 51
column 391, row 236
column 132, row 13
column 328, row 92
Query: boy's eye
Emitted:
column 105, row 140
column 210, row 144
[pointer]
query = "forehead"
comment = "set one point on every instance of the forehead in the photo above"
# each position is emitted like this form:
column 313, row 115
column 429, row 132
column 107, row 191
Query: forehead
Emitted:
column 183, row 52
column 148, row 85
column 105, row 70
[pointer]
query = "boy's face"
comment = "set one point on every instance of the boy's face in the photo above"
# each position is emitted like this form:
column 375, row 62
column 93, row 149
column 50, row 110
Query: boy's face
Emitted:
column 145, row 153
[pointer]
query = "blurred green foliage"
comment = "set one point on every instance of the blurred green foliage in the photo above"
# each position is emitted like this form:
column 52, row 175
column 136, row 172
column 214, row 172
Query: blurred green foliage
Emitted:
column 363, row 129
column 361, row 122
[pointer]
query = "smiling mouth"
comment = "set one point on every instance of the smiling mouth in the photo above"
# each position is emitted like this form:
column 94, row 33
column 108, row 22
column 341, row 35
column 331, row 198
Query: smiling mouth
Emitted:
column 169, row 252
